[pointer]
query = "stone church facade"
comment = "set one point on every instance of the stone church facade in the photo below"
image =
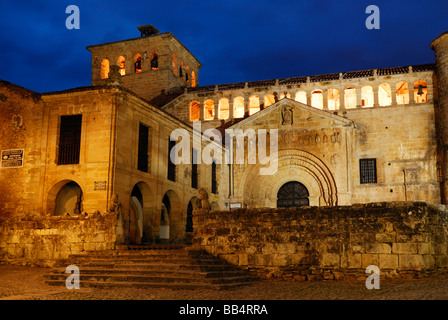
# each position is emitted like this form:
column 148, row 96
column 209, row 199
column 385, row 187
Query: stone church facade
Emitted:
column 365, row 136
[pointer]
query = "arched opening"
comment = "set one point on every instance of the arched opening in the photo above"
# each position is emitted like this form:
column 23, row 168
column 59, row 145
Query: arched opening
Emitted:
column 187, row 75
column 333, row 99
column 209, row 109
column 402, row 92
column 301, row 97
column 282, row 95
column 238, row 107
column 137, row 63
column 292, row 194
column 105, row 68
column 135, row 222
column 350, row 98
column 223, row 108
column 384, row 95
column 254, row 105
column 154, row 61
column 69, row 199
column 174, row 64
column 367, row 97
column 420, row 91
column 193, row 79
column 172, row 218
column 268, row 100
column 194, row 110
column 121, row 62
column 317, row 99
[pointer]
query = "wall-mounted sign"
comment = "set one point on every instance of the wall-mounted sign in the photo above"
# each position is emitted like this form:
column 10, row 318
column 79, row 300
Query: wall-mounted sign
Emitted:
column 12, row 158
column 100, row 185
column 235, row 205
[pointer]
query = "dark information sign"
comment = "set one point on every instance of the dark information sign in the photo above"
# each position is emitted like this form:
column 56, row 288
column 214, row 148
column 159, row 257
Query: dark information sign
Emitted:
column 12, row 158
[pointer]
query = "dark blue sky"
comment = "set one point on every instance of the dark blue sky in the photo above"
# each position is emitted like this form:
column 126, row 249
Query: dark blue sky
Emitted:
column 235, row 40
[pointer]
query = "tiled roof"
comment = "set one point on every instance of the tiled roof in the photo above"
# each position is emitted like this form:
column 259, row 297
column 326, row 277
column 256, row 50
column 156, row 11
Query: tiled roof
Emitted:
column 315, row 78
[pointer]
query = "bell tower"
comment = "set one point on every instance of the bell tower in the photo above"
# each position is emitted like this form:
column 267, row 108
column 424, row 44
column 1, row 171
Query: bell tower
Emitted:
column 440, row 47
column 151, row 65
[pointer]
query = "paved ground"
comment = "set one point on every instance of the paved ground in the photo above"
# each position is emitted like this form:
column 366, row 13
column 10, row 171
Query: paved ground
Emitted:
column 27, row 283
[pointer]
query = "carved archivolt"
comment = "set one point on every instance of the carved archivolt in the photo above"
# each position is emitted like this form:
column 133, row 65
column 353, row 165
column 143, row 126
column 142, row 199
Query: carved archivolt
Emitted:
column 293, row 165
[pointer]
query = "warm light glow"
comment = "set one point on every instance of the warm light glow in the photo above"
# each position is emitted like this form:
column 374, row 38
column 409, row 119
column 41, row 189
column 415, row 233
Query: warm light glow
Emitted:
column 254, row 105
column 138, row 63
column 367, row 97
column 317, row 99
column 121, row 63
column 422, row 98
column 350, row 98
column 402, row 92
column 193, row 79
column 194, row 110
column 268, row 100
column 282, row 95
column 174, row 62
column 209, row 110
column 238, row 107
column 105, row 68
column 384, row 95
column 301, row 97
column 333, row 99
column 223, row 107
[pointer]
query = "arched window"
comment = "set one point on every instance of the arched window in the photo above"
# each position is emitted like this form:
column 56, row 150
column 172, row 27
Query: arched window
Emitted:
column 333, row 99
column 193, row 79
column 384, row 95
column 268, row 100
column 402, row 92
column 282, row 95
column 181, row 69
column 137, row 63
column 174, row 63
column 420, row 91
column 367, row 97
column 187, row 75
column 317, row 99
column 121, row 62
column 209, row 110
column 350, row 97
column 238, row 107
column 154, row 61
column 254, row 105
column 105, row 68
column 223, row 108
column 301, row 97
column 194, row 110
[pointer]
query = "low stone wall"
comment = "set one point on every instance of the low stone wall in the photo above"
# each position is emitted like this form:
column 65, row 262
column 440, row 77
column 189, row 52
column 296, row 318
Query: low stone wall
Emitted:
column 403, row 239
column 41, row 241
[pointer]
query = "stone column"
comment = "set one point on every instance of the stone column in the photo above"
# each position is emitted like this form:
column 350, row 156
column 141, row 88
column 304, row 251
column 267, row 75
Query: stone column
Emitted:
column 393, row 93
column 231, row 108
column 325, row 99
column 201, row 110
column 216, row 105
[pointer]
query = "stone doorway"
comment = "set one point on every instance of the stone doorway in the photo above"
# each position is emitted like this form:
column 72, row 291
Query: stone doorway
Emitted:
column 136, row 216
column 292, row 194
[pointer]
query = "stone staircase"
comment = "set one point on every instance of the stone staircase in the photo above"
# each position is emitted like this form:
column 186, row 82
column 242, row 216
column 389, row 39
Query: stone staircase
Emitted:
column 174, row 267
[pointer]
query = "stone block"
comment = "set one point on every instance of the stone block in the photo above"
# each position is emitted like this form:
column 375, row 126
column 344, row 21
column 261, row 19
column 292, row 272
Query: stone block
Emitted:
column 330, row 260
column 411, row 262
column 378, row 248
column 280, row 259
column 368, row 259
column 405, row 248
column 387, row 261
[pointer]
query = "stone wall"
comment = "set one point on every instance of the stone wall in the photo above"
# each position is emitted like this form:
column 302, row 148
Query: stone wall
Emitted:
column 404, row 239
column 42, row 241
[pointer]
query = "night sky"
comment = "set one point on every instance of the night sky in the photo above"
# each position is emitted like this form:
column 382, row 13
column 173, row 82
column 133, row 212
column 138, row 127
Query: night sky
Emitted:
column 235, row 40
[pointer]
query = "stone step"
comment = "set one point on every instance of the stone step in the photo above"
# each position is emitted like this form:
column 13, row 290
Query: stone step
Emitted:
column 172, row 267
column 175, row 286
column 150, row 279
column 157, row 272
